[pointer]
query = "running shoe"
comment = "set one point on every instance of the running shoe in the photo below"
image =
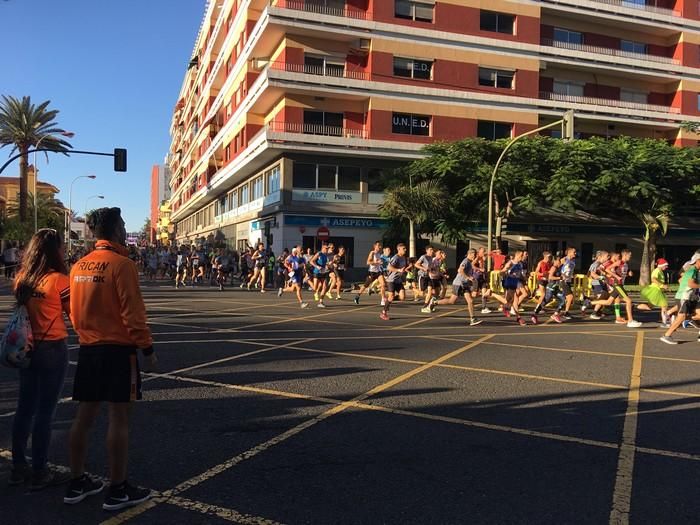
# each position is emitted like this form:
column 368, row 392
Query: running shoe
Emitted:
column 513, row 311
column 486, row 310
column 634, row 324
column 556, row 318
column 316, row 297
column 668, row 340
column 432, row 304
column 125, row 496
column 242, row 286
column 304, row 305
column 263, row 290
column 320, row 305
column 329, row 295
column 689, row 324
column 619, row 320
column 82, row 487
column 48, row 478
column 595, row 316
column 474, row 321
column 356, row 299
column 337, row 297
column 383, row 303
column 426, row 310
column 566, row 316
column 370, row 291
column 221, row 287
column 521, row 321
column 384, row 316
column 280, row 292
column 534, row 319
column 506, row 311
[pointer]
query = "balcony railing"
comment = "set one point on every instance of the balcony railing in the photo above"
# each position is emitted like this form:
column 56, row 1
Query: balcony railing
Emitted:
column 317, row 129
column 335, row 72
column 622, row 3
column 608, row 51
column 320, row 8
column 595, row 101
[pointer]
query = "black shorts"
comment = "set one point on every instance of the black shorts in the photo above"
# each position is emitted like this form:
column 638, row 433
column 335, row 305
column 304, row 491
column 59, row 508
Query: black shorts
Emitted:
column 542, row 282
column 394, row 287
column 566, row 288
column 107, row 373
column 371, row 277
column 322, row 277
column 687, row 307
column 435, row 284
column 423, row 282
column 619, row 291
column 340, row 273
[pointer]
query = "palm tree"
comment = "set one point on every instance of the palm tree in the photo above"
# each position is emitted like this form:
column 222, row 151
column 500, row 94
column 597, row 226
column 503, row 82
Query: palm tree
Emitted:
column 414, row 203
column 23, row 126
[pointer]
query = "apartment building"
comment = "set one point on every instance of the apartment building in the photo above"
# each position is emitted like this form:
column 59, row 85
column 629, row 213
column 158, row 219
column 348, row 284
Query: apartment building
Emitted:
column 291, row 109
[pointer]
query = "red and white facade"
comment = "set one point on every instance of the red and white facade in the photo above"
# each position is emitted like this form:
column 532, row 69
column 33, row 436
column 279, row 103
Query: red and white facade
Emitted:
column 292, row 108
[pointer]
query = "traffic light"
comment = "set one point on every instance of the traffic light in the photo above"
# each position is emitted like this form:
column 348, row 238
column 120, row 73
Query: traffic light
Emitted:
column 568, row 125
column 119, row 159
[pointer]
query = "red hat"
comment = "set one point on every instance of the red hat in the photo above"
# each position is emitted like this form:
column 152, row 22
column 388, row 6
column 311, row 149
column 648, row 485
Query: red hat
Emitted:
column 661, row 262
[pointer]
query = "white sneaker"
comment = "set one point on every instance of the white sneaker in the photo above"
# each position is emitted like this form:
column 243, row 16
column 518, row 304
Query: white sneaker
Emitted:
column 426, row 310
column 486, row 310
column 383, row 303
column 321, row 305
column 304, row 305
column 667, row 339
column 634, row 324
column 280, row 292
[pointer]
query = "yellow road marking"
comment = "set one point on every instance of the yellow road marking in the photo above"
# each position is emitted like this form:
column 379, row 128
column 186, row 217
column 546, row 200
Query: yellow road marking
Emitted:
column 219, row 512
column 218, row 469
column 622, row 495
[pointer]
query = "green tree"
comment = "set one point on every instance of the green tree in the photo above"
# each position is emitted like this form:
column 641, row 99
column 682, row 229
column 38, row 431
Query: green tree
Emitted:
column 23, row 126
column 50, row 214
column 414, row 203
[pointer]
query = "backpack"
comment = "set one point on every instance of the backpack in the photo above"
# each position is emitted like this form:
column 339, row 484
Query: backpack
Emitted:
column 17, row 340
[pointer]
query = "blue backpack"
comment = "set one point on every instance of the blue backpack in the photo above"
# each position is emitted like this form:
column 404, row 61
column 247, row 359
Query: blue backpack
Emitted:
column 17, row 341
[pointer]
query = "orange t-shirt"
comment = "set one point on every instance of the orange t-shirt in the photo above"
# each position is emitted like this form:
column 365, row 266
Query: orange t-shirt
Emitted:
column 45, row 308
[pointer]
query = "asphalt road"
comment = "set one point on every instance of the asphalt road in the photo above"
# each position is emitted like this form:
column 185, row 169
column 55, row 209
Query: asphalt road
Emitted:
column 265, row 413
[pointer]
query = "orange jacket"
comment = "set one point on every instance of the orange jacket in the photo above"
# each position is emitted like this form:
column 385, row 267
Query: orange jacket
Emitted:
column 105, row 299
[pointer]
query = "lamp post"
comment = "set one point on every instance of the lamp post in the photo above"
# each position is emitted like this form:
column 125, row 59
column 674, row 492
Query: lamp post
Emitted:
column 86, row 210
column 64, row 133
column 70, row 207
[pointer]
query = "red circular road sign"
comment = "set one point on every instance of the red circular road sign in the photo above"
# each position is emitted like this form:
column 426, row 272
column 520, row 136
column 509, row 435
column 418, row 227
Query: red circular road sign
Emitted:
column 323, row 233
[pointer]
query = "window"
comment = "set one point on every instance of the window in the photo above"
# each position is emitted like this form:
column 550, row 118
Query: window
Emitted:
column 323, row 123
column 258, row 189
column 272, row 180
column 375, row 181
column 497, row 22
column 244, row 195
column 499, row 78
column 326, row 177
column 304, row 175
column 421, row 11
column 488, row 129
column 629, row 95
column 324, row 65
column 413, row 68
column 233, row 199
column 633, row 47
column 568, row 37
column 571, row 89
column 348, row 178
column 406, row 124
column 222, row 205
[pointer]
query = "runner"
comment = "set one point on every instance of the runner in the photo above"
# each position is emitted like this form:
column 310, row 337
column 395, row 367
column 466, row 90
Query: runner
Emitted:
column 295, row 268
column 397, row 268
column 655, row 292
column 479, row 266
column 542, row 275
column 43, row 287
column 221, row 267
column 339, row 262
column 374, row 262
column 109, row 315
column 181, row 265
column 465, row 284
column 687, row 297
column 512, row 281
column 422, row 265
column 617, row 272
column 260, row 264
column 320, row 266
column 568, row 269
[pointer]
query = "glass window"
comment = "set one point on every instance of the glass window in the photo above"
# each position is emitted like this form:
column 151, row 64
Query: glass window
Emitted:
column 323, row 123
column 326, row 177
column 304, row 175
column 407, row 124
column 244, row 194
column 490, row 130
column 496, row 78
column 349, row 178
column 258, row 192
column 403, row 67
column 566, row 36
column 414, row 10
column 571, row 89
column 497, row 22
column 375, row 181
column 222, row 205
column 273, row 179
column 233, row 199
column 413, row 68
column 633, row 47
column 313, row 65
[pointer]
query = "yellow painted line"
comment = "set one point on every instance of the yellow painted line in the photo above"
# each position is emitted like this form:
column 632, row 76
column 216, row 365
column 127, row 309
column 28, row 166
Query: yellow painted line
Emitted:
column 677, row 359
column 622, row 495
column 219, row 512
column 669, row 392
column 668, row 453
column 232, row 462
column 429, row 318
column 564, row 350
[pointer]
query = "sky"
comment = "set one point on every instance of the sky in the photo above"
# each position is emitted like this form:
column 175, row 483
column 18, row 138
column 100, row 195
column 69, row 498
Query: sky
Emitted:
column 114, row 69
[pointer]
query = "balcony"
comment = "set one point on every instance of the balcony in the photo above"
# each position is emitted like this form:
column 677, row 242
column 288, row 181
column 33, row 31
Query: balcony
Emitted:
column 594, row 101
column 608, row 51
column 628, row 4
column 320, row 71
column 317, row 129
column 319, row 7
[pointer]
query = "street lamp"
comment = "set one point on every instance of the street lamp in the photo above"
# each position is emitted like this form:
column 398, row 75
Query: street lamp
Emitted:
column 68, row 134
column 86, row 210
column 70, row 207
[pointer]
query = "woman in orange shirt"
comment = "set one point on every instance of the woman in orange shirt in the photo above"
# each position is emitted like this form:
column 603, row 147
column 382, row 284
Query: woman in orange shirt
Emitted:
column 43, row 286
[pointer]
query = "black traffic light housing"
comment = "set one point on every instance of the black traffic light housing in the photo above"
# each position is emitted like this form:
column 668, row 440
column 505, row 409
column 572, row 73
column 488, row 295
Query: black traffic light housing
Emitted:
column 119, row 159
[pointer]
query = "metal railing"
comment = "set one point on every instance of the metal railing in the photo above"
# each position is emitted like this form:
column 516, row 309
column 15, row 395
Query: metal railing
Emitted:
column 317, row 129
column 320, row 8
column 326, row 71
column 595, row 101
column 622, row 3
column 608, row 51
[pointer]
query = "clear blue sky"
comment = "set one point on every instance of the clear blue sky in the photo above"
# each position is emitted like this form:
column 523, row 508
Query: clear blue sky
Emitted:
column 114, row 69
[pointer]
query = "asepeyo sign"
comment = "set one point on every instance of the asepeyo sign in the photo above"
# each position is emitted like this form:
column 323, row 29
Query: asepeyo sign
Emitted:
column 349, row 197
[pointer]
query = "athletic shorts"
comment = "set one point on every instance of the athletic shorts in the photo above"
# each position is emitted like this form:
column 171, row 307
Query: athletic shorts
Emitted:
column 340, row 273
column 394, row 287
column 297, row 277
column 423, row 282
column 542, row 282
column 619, row 291
column 435, row 284
column 511, row 283
column 107, row 373
column 687, row 307
column 464, row 289
column 566, row 288
column 260, row 266
column 321, row 276
column 371, row 277
column 599, row 287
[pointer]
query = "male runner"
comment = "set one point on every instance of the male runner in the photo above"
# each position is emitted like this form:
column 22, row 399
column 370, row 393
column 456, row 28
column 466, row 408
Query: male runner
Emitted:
column 374, row 263
column 396, row 271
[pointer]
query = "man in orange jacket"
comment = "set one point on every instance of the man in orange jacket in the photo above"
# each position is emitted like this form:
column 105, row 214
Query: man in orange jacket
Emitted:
column 109, row 315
